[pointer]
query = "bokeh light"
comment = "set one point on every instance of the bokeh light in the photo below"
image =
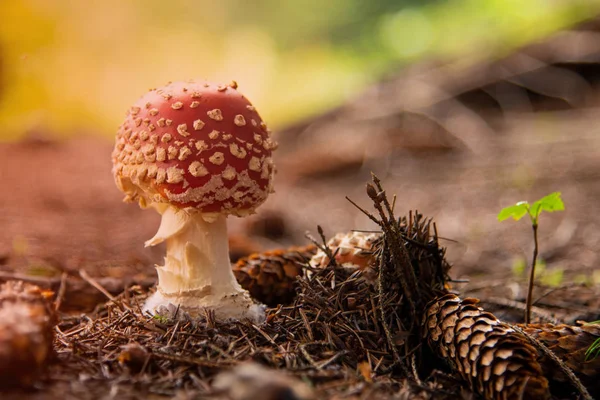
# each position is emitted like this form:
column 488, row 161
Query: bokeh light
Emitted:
column 71, row 66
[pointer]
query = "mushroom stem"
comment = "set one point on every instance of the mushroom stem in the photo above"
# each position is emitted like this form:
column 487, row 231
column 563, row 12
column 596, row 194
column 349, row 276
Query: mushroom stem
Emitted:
column 197, row 272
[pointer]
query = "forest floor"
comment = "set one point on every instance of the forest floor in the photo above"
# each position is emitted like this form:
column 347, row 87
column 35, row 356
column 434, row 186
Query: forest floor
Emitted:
column 63, row 214
column 455, row 144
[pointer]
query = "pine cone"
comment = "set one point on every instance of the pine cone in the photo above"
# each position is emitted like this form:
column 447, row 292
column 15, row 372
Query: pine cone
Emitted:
column 270, row 277
column 495, row 360
column 351, row 250
column 569, row 343
column 26, row 332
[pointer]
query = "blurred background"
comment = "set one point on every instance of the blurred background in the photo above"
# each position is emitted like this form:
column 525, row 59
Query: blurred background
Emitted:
column 71, row 66
column 461, row 107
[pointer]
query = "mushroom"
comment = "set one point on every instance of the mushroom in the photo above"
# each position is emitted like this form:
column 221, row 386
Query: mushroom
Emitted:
column 196, row 152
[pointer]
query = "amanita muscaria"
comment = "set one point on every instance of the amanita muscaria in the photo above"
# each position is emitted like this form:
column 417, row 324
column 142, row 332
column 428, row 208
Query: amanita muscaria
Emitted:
column 196, row 152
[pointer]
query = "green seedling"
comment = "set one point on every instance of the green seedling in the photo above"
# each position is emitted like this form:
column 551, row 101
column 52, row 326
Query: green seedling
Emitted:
column 549, row 203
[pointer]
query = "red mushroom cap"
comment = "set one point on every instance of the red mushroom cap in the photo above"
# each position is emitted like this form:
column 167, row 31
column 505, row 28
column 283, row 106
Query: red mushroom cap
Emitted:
column 195, row 144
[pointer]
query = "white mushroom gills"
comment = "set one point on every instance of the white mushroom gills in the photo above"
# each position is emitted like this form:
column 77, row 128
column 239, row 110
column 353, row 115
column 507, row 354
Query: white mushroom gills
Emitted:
column 197, row 272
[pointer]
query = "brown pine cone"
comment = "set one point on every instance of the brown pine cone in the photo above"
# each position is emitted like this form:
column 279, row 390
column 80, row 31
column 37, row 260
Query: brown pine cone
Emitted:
column 495, row 360
column 27, row 321
column 569, row 343
column 270, row 277
column 352, row 250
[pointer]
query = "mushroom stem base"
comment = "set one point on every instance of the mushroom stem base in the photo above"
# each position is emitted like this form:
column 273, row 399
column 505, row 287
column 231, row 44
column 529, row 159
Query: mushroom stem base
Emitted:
column 236, row 306
column 197, row 275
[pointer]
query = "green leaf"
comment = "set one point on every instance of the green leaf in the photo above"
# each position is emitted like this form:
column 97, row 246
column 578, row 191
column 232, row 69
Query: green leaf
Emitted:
column 582, row 279
column 518, row 267
column 540, row 269
column 516, row 212
column 553, row 277
column 549, row 203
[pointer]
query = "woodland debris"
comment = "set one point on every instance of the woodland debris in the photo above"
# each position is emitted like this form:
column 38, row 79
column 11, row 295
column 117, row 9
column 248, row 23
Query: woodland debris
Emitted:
column 134, row 357
column 27, row 320
column 570, row 344
column 512, row 363
column 338, row 326
column 78, row 294
column 491, row 357
column 355, row 250
column 271, row 277
column 250, row 380
column 349, row 334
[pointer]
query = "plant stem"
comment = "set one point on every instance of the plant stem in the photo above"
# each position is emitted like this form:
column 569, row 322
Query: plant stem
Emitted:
column 531, row 275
